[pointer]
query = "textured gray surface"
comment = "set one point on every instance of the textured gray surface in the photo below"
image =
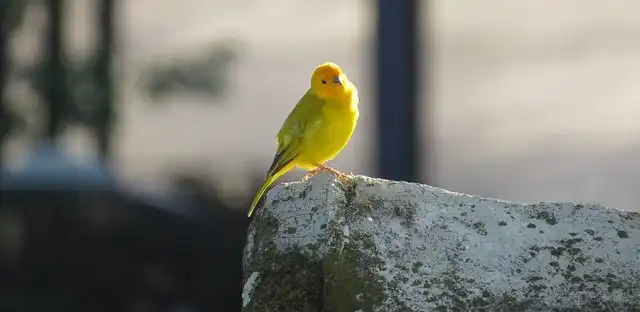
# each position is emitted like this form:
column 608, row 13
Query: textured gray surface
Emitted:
column 377, row 245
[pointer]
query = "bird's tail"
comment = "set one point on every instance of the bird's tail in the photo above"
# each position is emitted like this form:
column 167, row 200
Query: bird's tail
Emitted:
column 271, row 177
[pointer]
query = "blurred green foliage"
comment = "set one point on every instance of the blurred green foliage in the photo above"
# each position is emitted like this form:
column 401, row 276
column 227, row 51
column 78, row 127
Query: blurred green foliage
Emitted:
column 206, row 74
column 11, row 13
column 14, row 13
column 88, row 95
column 111, row 250
column 10, row 123
column 83, row 88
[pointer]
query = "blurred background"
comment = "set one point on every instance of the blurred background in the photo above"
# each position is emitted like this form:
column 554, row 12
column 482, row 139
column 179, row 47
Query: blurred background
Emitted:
column 134, row 133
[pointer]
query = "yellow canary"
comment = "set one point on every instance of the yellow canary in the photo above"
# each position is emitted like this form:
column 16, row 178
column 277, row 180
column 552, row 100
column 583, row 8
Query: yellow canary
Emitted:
column 317, row 128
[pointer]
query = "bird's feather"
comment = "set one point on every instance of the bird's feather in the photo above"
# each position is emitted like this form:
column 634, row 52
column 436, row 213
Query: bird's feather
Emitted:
column 304, row 119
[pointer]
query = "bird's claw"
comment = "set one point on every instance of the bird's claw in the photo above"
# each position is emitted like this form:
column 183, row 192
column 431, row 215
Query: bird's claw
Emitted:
column 342, row 177
column 310, row 174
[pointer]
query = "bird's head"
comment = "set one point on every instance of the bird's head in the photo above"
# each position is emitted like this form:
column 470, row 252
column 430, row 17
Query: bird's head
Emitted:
column 329, row 82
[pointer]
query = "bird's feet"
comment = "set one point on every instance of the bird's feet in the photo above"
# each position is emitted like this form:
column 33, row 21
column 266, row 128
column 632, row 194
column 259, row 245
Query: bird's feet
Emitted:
column 311, row 173
column 339, row 175
column 343, row 177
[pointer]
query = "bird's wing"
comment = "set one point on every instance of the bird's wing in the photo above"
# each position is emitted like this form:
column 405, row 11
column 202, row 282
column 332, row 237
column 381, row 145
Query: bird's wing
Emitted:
column 304, row 120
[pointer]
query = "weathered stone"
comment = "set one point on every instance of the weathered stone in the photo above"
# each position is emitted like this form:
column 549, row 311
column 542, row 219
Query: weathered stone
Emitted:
column 377, row 245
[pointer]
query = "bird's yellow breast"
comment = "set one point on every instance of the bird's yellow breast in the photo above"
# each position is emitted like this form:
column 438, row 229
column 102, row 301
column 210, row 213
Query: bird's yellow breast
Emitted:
column 335, row 129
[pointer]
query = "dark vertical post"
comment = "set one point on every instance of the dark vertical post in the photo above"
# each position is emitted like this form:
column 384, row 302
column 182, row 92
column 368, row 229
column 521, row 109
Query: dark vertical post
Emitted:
column 105, row 111
column 397, row 82
column 4, row 42
column 56, row 93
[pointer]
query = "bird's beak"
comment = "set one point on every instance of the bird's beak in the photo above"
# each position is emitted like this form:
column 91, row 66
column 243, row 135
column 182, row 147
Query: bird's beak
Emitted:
column 336, row 80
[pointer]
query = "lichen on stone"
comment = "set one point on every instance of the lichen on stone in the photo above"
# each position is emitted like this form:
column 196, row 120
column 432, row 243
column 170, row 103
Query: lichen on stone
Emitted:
column 375, row 245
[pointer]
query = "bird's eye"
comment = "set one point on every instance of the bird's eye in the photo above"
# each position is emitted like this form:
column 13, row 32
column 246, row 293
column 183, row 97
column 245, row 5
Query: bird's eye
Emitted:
column 324, row 82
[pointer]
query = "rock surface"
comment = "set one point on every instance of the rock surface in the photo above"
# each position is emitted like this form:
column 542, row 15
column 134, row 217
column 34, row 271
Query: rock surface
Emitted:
column 378, row 245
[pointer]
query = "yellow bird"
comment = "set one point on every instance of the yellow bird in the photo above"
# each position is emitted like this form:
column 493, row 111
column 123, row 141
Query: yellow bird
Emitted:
column 317, row 128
